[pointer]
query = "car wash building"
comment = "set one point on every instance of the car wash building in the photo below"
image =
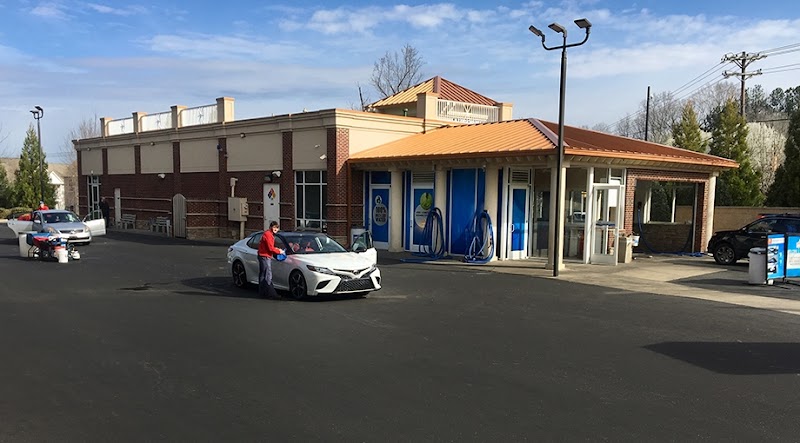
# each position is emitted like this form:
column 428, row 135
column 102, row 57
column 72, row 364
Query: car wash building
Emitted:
column 436, row 147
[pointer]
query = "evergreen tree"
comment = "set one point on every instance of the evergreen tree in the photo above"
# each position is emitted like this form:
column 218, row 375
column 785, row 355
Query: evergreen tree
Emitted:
column 686, row 133
column 785, row 190
column 27, row 187
column 735, row 187
column 5, row 189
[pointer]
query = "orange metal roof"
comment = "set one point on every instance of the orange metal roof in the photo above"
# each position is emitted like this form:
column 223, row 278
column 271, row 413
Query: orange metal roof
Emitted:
column 446, row 90
column 526, row 137
column 515, row 136
column 579, row 141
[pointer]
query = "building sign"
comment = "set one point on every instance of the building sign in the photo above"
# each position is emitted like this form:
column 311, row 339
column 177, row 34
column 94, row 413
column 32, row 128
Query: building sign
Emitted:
column 380, row 214
column 423, row 202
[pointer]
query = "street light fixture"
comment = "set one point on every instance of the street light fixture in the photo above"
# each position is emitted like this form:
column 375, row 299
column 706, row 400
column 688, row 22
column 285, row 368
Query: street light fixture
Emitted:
column 583, row 24
column 38, row 113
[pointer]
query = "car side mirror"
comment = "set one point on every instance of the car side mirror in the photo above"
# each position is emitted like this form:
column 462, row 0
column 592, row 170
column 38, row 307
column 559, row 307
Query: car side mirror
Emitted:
column 359, row 247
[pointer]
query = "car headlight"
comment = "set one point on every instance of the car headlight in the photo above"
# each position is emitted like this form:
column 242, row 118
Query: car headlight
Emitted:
column 320, row 269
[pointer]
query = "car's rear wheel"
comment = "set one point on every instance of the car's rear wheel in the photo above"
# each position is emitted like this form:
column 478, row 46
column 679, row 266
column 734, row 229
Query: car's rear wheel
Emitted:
column 239, row 274
column 724, row 254
column 297, row 285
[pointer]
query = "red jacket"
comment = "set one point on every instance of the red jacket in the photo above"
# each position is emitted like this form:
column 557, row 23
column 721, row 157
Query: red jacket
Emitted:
column 266, row 247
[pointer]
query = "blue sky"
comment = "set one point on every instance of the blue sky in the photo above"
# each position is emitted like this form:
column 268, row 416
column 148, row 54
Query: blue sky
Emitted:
column 81, row 59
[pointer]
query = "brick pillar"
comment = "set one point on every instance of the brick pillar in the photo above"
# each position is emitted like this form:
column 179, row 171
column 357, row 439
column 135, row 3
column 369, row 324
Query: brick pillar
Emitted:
column 83, row 189
column 223, row 184
column 104, row 180
column 176, row 168
column 287, row 183
column 338, row 149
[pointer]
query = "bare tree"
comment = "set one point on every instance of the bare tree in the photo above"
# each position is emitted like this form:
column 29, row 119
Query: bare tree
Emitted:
column 397, row 71
column 86, row 128
column 654, row 124
column 713, row 97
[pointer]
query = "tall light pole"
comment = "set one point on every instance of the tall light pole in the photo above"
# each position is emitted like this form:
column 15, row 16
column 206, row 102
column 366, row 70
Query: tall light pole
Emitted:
column 38, row 113
column 559, row 232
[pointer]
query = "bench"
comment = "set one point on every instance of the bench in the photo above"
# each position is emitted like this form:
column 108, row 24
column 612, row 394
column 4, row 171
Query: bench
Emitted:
column 161, row 224
column 128, row 221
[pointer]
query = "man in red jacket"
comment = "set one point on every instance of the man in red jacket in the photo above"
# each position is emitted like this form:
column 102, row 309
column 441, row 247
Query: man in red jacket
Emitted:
column 266, row 253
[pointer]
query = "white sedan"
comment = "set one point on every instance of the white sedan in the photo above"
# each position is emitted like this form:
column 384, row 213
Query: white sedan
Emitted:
column 67, row 223
column 315, row 264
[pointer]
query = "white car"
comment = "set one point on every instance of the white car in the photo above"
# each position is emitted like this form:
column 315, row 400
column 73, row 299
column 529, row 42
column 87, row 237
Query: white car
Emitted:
column 67, row 223
column 315, row 264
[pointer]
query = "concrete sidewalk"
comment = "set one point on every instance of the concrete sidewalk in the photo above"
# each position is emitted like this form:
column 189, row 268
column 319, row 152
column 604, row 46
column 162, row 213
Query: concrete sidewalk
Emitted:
column 670, row 275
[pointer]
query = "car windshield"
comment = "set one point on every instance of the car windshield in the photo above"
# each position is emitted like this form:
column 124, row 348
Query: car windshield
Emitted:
column 60, row 217
column 311, row 243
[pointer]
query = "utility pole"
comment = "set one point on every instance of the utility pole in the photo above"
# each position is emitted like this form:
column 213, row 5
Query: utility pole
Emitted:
column 647, row 115
column 742, row 60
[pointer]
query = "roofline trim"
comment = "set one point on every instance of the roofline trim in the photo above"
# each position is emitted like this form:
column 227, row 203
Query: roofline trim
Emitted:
column 546, row 132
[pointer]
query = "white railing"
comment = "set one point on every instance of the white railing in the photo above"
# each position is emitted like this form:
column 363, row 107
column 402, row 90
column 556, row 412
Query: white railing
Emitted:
column 200, row 115
column 122, row 126
column 466, row 112
column 154, row 122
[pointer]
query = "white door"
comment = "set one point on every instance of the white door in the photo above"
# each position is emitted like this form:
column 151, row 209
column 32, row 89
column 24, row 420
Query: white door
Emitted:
column 272, row 203
column 97, row 226
column 606, row 220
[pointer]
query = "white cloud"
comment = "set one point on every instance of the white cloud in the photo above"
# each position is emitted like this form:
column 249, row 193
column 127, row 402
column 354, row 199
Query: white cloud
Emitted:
column 51, row 11
column 105, row 9
column 210, row 47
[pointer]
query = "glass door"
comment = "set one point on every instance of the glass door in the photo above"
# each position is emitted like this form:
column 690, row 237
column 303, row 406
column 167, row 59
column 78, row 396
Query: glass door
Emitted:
column 606, row 219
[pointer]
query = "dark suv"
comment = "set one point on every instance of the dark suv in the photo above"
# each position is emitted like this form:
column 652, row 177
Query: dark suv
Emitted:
column 729, row 246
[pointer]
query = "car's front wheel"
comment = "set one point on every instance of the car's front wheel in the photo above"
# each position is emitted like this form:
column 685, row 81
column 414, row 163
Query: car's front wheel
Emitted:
column 239, row 274
column 297, row 285
column 724, row 254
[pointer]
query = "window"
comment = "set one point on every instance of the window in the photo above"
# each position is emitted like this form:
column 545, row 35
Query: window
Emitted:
column 311, row 195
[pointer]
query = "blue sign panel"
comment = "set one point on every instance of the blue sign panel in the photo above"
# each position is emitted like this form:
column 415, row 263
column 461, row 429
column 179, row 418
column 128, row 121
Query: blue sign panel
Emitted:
column 792, row 256
column 776, row 255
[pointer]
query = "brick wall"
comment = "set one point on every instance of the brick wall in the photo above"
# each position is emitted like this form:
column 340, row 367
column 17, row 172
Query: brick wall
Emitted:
column 338, row 151
column 636, row 175
column 287, row 183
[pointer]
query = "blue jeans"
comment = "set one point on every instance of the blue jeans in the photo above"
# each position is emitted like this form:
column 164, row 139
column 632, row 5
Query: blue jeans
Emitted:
column 265, row 287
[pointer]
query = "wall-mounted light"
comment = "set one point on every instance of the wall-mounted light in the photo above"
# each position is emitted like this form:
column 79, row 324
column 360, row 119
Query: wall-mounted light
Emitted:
column 219, row 147
column 161, row 176
column 152, row 143
column 242, row 135
column 323, row 156
column 316, row 146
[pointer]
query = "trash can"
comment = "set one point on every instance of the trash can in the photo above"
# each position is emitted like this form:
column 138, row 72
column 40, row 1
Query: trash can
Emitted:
column 757, row 271
column 24, row 246
column 625, row 249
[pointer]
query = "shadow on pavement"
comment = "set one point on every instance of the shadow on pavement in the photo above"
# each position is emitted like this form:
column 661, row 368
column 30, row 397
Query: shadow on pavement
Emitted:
column 735, row 358
column 223, row 287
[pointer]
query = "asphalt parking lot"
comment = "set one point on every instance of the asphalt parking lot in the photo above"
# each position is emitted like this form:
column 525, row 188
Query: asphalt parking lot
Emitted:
column 145, row 338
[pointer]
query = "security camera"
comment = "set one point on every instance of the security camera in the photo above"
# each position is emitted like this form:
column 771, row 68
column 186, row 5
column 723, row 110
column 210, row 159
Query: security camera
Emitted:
column 161, row 176
column 276, row 173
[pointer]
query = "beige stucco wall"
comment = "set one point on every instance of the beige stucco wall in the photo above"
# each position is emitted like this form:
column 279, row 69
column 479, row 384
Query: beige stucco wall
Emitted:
column 92, row 162
column 305, row 153
column 361, row 138
column 121, row 161
column 255, row 152
column 199, row 156
column 156, row 159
